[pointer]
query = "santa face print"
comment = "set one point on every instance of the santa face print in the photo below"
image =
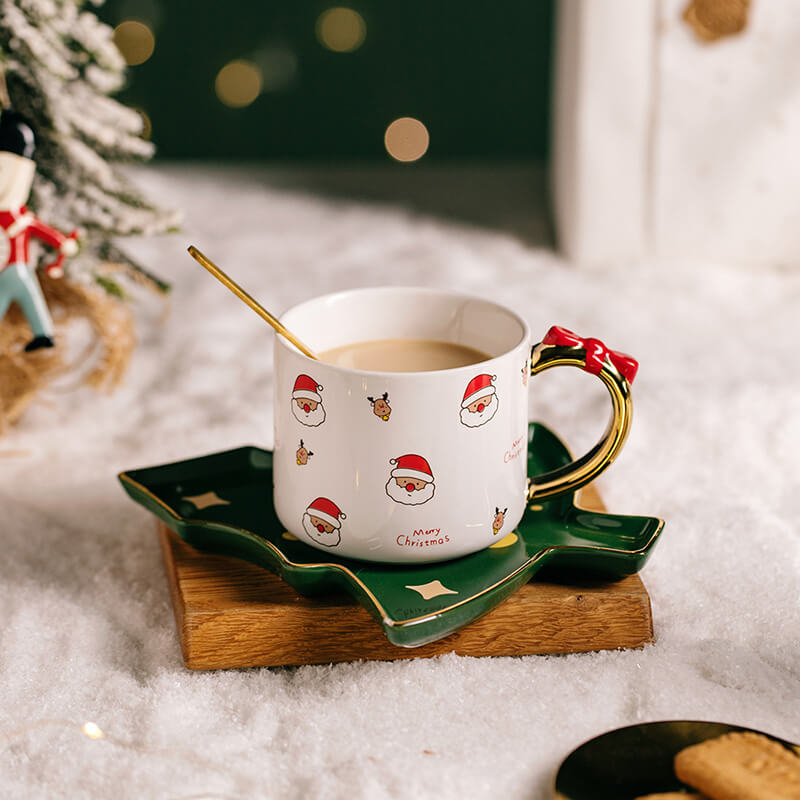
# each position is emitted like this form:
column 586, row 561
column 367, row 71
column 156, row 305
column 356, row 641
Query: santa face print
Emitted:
column 322, row 522
column 480, row 401
column 307, row 404
column 411, row 480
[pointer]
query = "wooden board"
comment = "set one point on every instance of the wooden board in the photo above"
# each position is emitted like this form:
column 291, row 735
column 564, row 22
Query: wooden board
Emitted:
column 232, row 614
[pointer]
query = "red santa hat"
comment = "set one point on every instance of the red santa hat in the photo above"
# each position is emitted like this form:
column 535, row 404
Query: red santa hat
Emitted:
column 327, row 510
column 412, row 466
column 306, row 388
column 479, row 386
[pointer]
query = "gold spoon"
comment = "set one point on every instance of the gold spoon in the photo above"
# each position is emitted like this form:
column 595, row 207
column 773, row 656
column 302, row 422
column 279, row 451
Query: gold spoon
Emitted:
column 252, row 302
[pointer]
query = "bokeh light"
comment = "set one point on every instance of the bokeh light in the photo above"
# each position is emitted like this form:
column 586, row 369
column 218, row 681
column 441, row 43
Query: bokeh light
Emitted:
column 147, row 125
column 135, row 41
column 341, row 29
column 238, row 83
column 92, row 730
column 406, row 139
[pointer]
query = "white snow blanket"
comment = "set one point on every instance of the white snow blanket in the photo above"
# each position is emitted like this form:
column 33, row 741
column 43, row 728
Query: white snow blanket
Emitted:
column 87, row 632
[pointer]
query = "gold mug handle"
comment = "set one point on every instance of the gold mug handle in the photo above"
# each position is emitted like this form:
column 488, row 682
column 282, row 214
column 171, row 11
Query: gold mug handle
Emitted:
column 561, row 347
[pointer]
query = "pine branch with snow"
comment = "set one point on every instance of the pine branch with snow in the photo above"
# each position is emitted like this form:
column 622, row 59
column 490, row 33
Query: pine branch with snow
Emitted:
column 61, row 67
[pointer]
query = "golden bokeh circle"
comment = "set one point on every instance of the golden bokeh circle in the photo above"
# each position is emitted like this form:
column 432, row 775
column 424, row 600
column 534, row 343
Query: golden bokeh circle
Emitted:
column 341, row 29
column 147, row 125
column 135, row 41
column 406, row 139
column 238, row 83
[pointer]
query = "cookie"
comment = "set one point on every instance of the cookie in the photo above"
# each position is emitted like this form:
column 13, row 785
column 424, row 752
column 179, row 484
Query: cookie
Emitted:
column 740, row 766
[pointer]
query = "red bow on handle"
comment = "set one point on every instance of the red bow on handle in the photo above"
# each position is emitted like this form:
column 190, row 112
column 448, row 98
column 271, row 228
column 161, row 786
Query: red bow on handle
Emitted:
column 596, row 352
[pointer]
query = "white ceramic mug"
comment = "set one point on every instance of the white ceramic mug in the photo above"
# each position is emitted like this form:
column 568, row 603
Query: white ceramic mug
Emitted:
column 419, row 466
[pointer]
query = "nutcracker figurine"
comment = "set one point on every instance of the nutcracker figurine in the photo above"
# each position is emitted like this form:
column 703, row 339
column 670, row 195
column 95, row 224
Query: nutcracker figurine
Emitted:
column 17, row 224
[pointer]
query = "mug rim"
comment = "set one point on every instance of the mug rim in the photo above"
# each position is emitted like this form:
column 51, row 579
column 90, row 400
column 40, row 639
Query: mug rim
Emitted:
column 429, row 290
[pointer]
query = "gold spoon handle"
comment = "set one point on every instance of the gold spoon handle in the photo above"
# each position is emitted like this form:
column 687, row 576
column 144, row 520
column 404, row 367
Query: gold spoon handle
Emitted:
column 251, row 301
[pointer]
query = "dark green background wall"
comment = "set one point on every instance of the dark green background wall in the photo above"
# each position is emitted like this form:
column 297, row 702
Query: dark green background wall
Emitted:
column 477, row 74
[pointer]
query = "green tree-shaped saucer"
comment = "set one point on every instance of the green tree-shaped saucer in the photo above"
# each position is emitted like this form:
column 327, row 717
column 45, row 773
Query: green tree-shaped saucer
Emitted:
column 223, row 503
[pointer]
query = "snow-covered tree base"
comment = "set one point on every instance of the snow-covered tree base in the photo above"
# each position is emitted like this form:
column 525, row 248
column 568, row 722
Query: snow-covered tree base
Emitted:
column 101, row 365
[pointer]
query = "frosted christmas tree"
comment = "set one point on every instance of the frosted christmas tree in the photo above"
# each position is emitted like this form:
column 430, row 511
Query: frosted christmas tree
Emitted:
column 60, row 67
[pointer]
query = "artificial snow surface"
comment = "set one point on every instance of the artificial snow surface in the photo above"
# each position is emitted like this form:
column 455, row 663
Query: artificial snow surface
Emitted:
column 87, row 631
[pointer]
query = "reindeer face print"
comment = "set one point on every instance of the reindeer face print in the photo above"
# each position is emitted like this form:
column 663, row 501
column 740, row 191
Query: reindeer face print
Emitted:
column 499, row 519
column 380, row 407
column 303, row 454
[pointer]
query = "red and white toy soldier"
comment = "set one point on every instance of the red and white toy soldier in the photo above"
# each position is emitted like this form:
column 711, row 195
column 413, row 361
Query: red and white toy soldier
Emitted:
column 18, row 282
column 307, row 401
column 323, row 522
column 480, row 402
column 411, row 481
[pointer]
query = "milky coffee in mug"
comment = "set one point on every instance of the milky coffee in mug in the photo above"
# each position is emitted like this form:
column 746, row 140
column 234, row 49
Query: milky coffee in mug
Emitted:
column 403, row 355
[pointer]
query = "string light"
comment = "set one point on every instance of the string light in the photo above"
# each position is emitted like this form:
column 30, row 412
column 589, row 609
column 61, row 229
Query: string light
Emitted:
column 406, row 139
column 135, row 41
column 238, row 83
column 92, row 730
column 341, row 29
